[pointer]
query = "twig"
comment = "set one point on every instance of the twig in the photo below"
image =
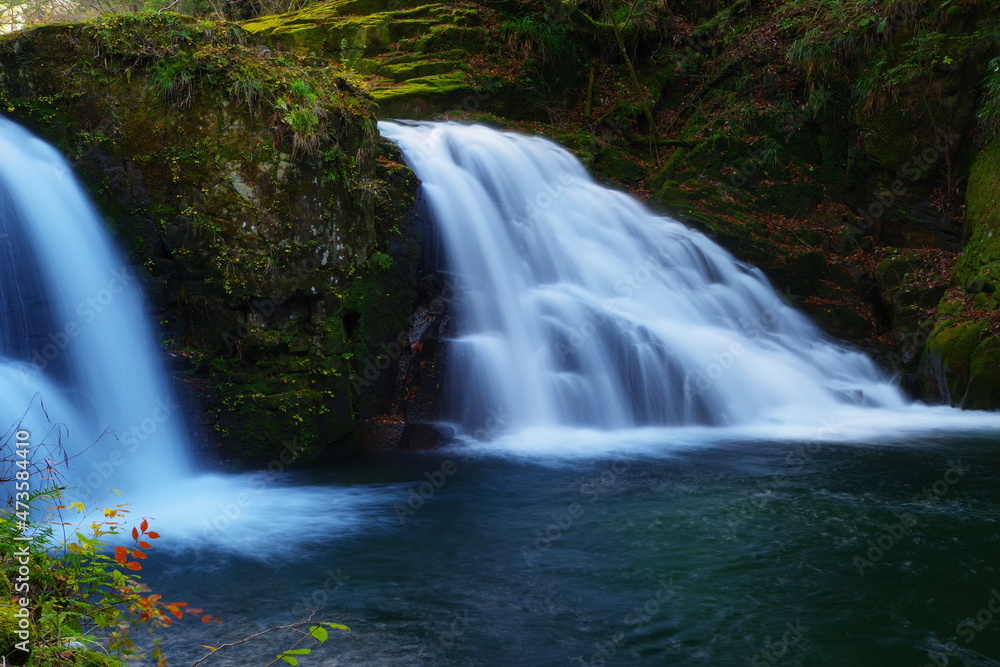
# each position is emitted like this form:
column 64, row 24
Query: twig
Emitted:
column 293, row 626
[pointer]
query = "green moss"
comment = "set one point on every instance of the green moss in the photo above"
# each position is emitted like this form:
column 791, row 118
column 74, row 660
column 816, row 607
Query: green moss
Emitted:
column 967, row 354
column 8, row 637
column 420, row 93
column 963, row 353
column 94, row 659
column 978, row 269
column 416, row 54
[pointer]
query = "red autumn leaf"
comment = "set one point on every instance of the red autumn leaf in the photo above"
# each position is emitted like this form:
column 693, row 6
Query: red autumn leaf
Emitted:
column 177, row 613
column 152, row 534
column 206, row 619
column 121, row 554
column 145, row 545
column 133, row 565
column 178, row 604
column 138, row 554
column 144, row 525
column 135, row 533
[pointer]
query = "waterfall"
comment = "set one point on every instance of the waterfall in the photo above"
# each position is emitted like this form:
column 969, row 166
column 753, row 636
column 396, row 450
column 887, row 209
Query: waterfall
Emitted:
column 579, row 307
column 80, row 371
column 74, row 335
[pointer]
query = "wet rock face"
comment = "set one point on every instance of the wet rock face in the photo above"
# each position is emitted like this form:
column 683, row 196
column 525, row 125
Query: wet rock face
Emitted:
column 417, row 366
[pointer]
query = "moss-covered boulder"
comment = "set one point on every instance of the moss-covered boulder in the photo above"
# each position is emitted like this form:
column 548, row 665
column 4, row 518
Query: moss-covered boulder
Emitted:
column 250, row 187
column 962, row 359
column 963, row 353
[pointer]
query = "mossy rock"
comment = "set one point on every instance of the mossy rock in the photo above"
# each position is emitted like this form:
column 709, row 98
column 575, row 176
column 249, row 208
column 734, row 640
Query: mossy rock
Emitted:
column 978, row 268
column 9, row 639
column 423, row 96
column 962, row 362
column 237, row 177
column 904, row 295
column 795, row 200
column 415, row 53
column 962, row 357
column 889, row 137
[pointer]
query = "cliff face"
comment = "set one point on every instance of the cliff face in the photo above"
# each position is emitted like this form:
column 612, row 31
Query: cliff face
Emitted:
column 255, row 191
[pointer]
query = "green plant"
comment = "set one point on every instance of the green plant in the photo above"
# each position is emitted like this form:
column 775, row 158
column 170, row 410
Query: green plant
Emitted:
column 813, row 54
column 303, row 114
column 78, row 588
column 318, row 632
column 173, row 79
column 83, row 590
column 989, row 108
column 381, row 260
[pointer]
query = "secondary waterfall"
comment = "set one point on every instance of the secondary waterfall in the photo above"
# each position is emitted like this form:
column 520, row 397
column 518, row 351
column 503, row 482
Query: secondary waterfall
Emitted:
column 74, row 335
column 80, row 371
column 580, row 307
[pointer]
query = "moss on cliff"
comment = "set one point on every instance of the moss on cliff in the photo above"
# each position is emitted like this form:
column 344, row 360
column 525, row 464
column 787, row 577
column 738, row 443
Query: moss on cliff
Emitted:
column 963, row 351
column 417, row 58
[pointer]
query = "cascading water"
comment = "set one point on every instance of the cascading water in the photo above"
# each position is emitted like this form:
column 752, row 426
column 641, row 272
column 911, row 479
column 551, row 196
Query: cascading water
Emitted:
column 580, row 307
column 75, row 330
column 79, row 371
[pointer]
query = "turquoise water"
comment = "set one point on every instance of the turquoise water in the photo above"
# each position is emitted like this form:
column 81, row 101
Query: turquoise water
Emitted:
column 733, row 553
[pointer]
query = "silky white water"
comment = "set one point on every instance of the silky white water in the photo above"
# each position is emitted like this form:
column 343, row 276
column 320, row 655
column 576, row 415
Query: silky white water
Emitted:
column 580, row 309
column 80, row 371
column 77, row 332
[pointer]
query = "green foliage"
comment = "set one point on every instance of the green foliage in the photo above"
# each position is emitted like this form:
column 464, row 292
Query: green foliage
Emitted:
column 836, row 35
column 317, row 632
column 530, row 37
column 183, row 55
column 80, row 590
column 303, row 113
column 381, row 260
column 989, row 109
column 172, row 79
column 813, row 54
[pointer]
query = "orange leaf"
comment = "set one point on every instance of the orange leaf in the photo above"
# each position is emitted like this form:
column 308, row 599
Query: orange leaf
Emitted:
column 177, row 613
column 145, row 545
column 121, row 554
column 178, row 604
column 206, row 619
column 144, row 525
column 135, row 533
column 152, row 534
column 133, row 565
column 138, row 554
